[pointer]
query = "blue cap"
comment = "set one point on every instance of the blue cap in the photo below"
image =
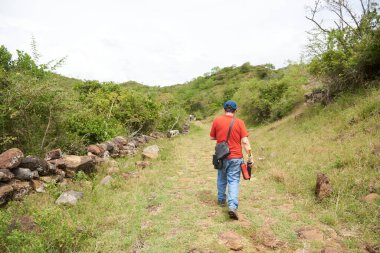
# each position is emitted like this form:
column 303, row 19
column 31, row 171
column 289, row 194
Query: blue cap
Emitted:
column 231, row 104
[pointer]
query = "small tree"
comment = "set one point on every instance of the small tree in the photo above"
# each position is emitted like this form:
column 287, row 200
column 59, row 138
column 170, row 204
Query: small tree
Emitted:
column 337, row 47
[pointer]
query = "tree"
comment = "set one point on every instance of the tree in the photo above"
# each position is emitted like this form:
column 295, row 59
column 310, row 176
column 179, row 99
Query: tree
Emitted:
column 337, row 47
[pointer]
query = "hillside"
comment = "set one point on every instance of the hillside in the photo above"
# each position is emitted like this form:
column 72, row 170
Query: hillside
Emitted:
column 170, row 206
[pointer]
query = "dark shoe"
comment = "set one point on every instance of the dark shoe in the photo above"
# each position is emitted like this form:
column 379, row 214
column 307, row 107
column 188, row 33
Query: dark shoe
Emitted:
column 221, row 203
column 233, row 214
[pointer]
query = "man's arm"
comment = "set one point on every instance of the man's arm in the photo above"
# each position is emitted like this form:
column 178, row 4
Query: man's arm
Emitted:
column 246, row 146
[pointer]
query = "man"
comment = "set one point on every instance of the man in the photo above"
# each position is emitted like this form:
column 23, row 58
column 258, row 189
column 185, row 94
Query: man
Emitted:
column 230, row 172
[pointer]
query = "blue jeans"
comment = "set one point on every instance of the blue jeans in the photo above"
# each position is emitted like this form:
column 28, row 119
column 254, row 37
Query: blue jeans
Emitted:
column 229, row 174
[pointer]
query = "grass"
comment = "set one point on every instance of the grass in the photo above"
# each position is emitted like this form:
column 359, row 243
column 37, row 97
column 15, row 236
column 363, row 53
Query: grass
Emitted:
column 170, row 206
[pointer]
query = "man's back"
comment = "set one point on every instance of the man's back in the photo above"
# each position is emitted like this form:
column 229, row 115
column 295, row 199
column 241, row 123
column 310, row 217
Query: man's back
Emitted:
column 219, row 131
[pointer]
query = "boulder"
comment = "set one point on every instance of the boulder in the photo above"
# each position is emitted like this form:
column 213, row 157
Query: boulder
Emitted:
column 323, row 187
column 141, row 139
column 54, row 154
column 157, row 135
column 35, row 163
column 38, row 185
column 11, row 158
column 96, row 150
column 142, row 164
column 151, row 152
column 72, row 164
column 6, row 175
column 6, row 193
column 25, row 174
column 106, row 180
column 172, row 133
column 69, row 198
column 120, row 141
column 20, row 189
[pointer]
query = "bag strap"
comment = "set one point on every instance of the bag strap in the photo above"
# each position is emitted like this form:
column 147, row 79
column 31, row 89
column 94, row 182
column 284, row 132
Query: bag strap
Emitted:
column 229, row 130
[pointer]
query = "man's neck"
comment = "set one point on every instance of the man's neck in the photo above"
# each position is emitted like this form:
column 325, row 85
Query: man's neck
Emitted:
column 229, row 114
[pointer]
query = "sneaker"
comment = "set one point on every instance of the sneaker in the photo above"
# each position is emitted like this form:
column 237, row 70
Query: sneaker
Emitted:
column 233, row 214
column 221, row 203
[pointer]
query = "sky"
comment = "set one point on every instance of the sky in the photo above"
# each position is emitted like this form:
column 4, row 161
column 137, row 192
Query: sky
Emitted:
column 155, row 42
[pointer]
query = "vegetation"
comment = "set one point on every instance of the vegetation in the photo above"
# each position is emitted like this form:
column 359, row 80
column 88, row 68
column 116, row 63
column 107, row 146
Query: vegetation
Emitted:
column 346, row 52
column 40, row 110
column 171, row 205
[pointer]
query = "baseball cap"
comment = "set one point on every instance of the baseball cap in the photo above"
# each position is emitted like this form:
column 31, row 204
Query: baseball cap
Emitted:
column 231, row 104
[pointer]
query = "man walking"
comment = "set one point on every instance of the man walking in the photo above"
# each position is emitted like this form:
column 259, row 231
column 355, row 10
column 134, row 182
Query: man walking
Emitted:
column 229, row 174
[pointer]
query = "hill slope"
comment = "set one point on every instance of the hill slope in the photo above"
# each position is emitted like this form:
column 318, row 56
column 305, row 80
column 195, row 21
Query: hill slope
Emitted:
column 170, row 206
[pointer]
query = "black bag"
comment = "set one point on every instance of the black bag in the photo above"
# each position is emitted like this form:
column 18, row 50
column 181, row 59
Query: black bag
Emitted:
column 222, row 150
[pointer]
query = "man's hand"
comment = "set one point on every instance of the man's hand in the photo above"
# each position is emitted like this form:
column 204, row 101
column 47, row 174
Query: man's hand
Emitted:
column 250, row 161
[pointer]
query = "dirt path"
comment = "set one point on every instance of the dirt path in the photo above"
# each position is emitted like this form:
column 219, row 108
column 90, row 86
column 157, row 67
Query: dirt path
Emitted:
column 184, row 216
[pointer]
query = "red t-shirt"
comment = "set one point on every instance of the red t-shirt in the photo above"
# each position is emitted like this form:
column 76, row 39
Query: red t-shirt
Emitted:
column 219, row 131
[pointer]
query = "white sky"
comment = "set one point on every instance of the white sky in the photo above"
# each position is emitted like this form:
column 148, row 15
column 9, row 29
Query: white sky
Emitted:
column 155, row 42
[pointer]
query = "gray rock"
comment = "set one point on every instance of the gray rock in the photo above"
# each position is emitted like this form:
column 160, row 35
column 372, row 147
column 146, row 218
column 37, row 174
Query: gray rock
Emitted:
column 54, row 154
column 106, row 180
column 172, row 133
column 151, row 152
column 35, row 163
column 25, row 174
column 72, row 164
column 6, row 192
column 69, row 198
column 5, row 175
column 11, row 158
column 20, row 189
column 38, row 186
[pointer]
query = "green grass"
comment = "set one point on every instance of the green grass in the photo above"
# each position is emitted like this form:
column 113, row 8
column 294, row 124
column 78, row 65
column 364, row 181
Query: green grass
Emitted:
column 170, row 206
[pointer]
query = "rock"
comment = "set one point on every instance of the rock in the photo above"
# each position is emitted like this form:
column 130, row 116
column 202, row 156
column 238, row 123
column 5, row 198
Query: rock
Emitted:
column 172, row 133
column 310, row 234
column 157, row 135
column 232, row 240
column 53, row 154
column 6, row 193
column 323, row 187
column 331, row 250
column 72, row 164
column 11, row 158
column 371, row 198
column 25, row 174
column 106, row 180
column 24, row 224
column 6, row 175
column 47, row 179
column 69, row 198
column 141, row 139
column 142, row 164
column 151, row 152
column 20, row 189
column 192, row 117
column 113, row 170
column 132, row 145
column 36, row 163
column 96, row 150
column 38, row 185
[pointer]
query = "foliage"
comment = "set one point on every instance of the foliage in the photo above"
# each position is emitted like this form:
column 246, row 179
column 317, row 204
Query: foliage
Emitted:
column 268, row 100
column 40, row 110
column 345, row 54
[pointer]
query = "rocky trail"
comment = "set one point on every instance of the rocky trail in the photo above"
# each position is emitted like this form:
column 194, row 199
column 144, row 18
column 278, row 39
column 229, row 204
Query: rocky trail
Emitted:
column 168, row 204
column 191, row 221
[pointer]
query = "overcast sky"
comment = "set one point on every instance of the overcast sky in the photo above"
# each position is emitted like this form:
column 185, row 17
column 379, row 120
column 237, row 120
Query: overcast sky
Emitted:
column 155, row 42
